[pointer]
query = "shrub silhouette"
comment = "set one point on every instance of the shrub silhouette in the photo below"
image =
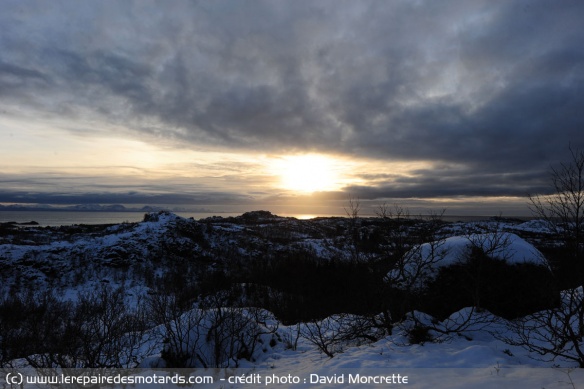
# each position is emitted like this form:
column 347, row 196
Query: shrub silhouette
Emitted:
column 506, row 290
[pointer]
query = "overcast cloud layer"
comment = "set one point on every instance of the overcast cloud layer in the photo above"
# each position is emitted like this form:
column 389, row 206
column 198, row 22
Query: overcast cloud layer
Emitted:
column 491, row 92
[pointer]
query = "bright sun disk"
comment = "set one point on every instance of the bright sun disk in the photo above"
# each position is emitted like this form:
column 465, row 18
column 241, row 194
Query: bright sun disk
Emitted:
column 307, row 173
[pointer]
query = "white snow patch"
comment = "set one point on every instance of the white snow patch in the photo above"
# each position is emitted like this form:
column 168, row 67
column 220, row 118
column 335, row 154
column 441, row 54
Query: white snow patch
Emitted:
column 506, row 246
column 422, row 262
column 536, row 225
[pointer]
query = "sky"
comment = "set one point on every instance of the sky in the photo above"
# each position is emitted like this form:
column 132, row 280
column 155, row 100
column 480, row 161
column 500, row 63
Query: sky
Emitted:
column 292, row 106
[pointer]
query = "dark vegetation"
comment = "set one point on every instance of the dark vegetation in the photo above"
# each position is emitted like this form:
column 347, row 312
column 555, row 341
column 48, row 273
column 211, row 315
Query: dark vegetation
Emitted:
column 508, row 291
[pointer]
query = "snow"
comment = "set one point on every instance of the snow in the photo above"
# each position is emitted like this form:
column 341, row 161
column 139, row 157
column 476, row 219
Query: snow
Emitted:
column 321, row 247
column 537, row 225
column 474, row 357
column 506, row 246
column 477, row 360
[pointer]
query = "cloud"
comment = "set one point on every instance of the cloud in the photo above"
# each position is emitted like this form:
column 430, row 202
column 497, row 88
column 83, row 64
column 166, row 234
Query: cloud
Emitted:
column 139, row 198
column 494, row 87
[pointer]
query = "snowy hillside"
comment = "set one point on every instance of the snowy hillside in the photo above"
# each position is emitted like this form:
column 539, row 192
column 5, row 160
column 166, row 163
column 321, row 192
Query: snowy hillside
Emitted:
column 472, row 359
column 323, row 301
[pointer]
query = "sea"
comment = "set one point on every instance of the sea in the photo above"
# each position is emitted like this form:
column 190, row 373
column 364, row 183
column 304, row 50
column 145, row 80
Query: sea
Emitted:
column 62, row 218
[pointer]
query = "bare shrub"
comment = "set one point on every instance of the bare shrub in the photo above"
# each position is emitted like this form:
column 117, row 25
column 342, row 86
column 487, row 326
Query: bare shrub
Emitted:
column 335, row 333
column 97, row 331
column 209, row 334
column 179, row 327
column 559, row 332
column 554, row 333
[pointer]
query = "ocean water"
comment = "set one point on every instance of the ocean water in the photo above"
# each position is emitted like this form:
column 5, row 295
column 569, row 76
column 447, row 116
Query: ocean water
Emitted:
column 61, row 218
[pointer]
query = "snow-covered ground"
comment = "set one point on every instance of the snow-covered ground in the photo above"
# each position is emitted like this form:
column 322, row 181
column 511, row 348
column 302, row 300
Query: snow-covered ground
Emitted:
column 459, row 363
column 483, row 362
column 475, row 357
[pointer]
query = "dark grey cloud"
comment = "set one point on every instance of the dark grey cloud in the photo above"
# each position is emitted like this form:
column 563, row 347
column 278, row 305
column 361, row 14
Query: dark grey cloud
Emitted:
column 140, row 197
column 46, row 187
column 495, row 87
column 66, row 188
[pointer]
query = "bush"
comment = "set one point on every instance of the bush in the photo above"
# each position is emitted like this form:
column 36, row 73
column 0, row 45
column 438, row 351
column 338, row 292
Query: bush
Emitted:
column 419, row 334
column 507, row 290
column 98, row 331
column 337, row 332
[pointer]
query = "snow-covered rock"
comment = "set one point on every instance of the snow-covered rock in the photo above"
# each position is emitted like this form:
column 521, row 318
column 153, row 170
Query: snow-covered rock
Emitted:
column 422, row 262
column 500, row 272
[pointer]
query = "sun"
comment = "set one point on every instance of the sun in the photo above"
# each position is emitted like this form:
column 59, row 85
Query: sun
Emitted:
column 307, row 173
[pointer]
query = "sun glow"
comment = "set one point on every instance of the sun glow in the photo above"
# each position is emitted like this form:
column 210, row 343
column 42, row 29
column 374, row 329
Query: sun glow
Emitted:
column 308, row 173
